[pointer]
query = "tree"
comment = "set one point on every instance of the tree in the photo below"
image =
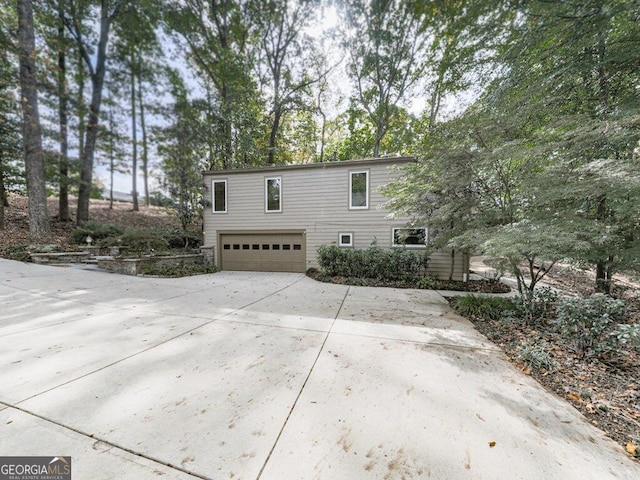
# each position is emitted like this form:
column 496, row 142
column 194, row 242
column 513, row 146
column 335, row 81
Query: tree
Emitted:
column 137, row 46
column 10, row 142
column 217, row 37
column 287, row 55
column 541, row 168
column 108, row 11
column 182, row 150
column 386, row 46
column 39, row 228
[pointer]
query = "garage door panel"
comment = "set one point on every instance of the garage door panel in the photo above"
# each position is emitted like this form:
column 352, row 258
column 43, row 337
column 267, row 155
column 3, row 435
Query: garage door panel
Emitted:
column 263, row 251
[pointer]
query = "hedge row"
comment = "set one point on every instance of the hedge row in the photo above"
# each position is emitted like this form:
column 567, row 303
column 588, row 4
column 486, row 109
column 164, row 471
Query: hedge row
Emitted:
column 374, row 262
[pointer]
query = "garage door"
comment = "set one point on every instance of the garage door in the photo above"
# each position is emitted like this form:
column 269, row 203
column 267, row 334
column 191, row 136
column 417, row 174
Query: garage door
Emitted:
column 266, row 251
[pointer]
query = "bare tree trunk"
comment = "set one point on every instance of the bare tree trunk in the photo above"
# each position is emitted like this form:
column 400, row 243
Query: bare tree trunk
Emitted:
column 145, row 145
column 273, row 136
column 63, row 196
column 134, row 136
column 97, row 81
column 39, row 228
column 111, row 156
column 3, row 194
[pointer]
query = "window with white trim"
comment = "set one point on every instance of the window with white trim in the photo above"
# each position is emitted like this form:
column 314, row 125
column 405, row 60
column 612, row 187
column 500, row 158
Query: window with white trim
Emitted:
column 273, row 194
column 409, row 237
column 345, row 239
column 359, row 190
column 219, row 196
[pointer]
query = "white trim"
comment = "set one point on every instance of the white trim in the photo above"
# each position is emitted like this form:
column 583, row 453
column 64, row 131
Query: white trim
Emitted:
column 345, row 244
column 266, row 194
column 396, row 245
column 358, row 207
column 213, row 196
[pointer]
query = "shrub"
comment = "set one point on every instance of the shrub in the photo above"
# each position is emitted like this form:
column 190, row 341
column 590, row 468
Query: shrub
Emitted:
column 535, row 356
column 535, row 306
column 373, row 262
column 592, row 324
column 178, row 270
column 178, row 239
column 480, row 306
column 98, row 231
column 141, row 240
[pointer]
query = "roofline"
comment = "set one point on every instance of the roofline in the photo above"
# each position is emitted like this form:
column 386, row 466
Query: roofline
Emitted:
column 304, row 166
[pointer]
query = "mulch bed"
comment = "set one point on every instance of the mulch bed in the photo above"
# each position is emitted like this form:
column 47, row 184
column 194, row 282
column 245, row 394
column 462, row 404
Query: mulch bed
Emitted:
column 486, row 286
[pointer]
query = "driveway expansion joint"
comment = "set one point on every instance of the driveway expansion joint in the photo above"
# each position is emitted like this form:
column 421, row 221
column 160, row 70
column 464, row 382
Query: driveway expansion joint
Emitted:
column 293, row 406
column 103, row 441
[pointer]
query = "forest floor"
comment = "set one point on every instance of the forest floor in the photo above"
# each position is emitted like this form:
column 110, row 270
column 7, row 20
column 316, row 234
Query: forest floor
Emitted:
column 606, row 390
column 16, row 232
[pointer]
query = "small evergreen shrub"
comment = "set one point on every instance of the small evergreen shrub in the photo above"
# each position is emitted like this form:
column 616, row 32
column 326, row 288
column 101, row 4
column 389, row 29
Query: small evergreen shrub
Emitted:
column 595, row 326
column 535, row 356
column 480, row 306
column 98, row 232
column 533, row 307
column 181, row 269
column 177, row 239
column 373, row 262
column 140, row 240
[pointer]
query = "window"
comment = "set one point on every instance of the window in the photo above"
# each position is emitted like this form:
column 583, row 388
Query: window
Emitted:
column 273, row 194
column 358, row 190
column 219, row 192
column 409, row 237
column 345, row 239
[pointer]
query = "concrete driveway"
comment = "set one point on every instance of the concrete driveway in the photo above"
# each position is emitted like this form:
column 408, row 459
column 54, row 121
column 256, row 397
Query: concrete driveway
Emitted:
column 271, row 376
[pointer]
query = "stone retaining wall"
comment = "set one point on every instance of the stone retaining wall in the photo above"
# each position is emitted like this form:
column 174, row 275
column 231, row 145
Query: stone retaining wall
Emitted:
column 133, row 266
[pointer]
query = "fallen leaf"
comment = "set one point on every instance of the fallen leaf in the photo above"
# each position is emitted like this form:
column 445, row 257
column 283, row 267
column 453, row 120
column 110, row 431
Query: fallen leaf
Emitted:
column 527, row 371
column 632, row 449
column 492, row 444
column 573, row 396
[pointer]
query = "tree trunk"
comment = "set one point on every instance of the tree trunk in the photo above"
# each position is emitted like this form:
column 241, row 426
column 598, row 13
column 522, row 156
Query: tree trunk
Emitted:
column 63, row 196
column 273, row 136
column 39, row 228
column 145, row 145
column 3, row 195
column 112, row 162
column 97, row 81
column 134, row 136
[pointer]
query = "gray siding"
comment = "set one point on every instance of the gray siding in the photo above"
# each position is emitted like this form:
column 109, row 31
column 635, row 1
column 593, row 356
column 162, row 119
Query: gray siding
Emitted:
column 314, row 199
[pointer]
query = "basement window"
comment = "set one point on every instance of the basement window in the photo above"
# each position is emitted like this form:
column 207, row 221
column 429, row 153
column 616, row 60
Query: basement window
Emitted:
column 410, row 237
column 345, row 239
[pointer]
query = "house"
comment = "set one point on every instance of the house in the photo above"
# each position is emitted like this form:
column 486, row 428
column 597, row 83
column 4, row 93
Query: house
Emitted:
column 274, row 218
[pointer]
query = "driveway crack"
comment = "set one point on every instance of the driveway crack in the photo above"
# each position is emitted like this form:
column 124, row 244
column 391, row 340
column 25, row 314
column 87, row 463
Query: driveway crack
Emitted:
column 304, row 384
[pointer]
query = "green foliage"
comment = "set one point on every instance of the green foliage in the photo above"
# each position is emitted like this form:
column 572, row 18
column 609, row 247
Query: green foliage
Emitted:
column 373, row 262
column 543, row 167
column 97, row 231
column 594, row 325
column 535, row 306
column 18, row 252
column 481, row 306
column 535, row 356
column 138, row 240
column 181, row 269
column 177, row 239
